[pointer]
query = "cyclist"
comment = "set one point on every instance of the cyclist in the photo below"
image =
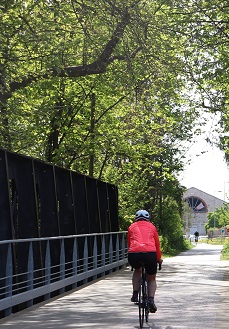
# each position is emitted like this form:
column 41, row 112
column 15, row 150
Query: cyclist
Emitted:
column 144, row 247
column 196, row 236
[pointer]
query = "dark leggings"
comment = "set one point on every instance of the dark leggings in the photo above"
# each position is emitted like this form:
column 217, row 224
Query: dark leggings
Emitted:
column 149, row 259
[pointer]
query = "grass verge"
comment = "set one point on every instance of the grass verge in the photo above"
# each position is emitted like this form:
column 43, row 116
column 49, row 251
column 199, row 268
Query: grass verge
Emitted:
column 216, row 241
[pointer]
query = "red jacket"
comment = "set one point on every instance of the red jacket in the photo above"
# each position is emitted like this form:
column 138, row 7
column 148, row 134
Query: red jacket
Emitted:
column 143, row 237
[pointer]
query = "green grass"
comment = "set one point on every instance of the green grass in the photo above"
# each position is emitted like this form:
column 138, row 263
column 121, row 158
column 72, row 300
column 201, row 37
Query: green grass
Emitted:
column 215, row 241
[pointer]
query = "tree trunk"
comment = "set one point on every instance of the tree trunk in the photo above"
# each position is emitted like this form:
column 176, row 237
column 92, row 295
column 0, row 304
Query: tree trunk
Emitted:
column 92, row 135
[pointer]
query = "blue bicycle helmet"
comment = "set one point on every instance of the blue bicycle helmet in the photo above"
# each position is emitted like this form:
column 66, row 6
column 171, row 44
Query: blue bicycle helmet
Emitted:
column 142, row 214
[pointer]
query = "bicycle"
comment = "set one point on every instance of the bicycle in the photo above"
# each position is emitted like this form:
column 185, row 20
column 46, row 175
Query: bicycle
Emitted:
column 143, row 307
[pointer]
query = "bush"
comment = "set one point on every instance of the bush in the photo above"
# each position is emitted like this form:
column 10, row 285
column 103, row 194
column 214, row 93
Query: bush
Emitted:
column 172, row 248
column 171, row 229
column 225, row 251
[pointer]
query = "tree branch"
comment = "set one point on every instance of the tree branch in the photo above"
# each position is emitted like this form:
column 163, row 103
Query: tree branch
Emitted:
column 97, row 67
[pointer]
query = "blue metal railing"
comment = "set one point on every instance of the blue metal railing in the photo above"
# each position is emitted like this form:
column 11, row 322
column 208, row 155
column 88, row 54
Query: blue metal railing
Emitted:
column 91, row 256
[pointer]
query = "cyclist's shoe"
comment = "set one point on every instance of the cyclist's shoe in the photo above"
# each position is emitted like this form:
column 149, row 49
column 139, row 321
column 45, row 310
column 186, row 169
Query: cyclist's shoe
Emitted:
column 134, row 298
column 152, row 306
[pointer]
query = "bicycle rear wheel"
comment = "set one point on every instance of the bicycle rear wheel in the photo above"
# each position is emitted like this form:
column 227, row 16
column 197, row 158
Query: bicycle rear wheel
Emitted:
column 141, row 306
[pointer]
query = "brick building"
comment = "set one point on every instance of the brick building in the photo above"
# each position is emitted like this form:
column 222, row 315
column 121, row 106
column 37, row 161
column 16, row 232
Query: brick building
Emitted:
column 199, row 204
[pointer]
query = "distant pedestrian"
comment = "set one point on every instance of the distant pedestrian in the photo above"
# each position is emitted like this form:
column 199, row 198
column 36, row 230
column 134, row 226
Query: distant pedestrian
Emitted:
column 196, row 236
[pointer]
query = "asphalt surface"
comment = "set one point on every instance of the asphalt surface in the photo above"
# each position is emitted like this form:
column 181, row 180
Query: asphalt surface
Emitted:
column 192, row 292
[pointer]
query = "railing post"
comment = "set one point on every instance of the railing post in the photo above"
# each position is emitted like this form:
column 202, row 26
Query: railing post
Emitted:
column 110, row 252
column 117, row 247
column 9, row 277
column 62, row 265
column 30, row 273
column 123, row 247
column 95, row 256
column 103, row 255
column 85, row 259
column 74, row 260
column 47, row 269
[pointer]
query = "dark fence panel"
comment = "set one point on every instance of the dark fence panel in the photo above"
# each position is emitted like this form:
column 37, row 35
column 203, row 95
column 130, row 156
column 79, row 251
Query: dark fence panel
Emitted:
column 112, row 193
column 103, row 207
column 80, row 203
column 47, row 199
column 24, row 204
column 48, row 216
column 5, row 199
column 65, row 202
column 40, row 200
column 93, row 211
column 5, row 215
column 24, row 210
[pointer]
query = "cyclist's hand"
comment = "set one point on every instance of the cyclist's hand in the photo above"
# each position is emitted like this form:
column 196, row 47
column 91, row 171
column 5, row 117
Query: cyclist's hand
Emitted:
column 160, row 261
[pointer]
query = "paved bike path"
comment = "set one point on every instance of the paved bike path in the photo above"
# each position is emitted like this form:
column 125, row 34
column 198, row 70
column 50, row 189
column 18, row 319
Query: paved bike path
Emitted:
column 193, row 292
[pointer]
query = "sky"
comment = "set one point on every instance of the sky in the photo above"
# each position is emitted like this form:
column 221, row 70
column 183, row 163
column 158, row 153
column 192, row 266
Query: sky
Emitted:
column 207, row 170
column 209, row 173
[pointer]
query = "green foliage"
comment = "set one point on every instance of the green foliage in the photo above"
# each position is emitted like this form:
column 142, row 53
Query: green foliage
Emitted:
column 219, row 218
column 169, row 251
column 46, row 49
column 206, row 23
column 171, row 229
column 225, row 251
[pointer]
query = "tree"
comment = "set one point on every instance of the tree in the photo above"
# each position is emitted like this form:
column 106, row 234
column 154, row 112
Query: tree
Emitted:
column 39, row 47
column 171, row 227
column 104, row 88
column 219, row 218
column 205, row 54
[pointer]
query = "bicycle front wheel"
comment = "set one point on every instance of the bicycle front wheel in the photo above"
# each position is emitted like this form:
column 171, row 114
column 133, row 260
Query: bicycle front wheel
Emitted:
column 141, row 306
column 146, row 306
